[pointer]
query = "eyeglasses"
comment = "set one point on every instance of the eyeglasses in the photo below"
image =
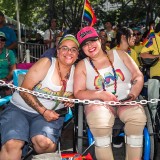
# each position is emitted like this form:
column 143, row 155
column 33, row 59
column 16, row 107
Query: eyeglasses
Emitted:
column 2, row 39
column 136, row 34
column 66, row 49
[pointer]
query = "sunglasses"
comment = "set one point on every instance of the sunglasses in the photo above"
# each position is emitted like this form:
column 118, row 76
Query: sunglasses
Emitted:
column 2, row 39
column 136, row 34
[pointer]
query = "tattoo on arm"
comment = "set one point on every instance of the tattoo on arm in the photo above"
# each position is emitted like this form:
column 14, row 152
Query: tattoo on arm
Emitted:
column 32, row 101
column 133, row 82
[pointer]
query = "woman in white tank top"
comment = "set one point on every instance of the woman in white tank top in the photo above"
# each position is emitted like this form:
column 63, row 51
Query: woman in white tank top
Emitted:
column 110, row 76
column 30, row 118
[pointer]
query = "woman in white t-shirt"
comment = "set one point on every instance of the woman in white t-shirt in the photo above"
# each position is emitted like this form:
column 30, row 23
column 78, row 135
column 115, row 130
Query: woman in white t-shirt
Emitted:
column 36, row 119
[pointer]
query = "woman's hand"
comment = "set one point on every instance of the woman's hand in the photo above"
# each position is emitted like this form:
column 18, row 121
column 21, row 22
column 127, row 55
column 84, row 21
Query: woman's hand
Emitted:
column 129, row 98
column 107, row 96
column 50, row 115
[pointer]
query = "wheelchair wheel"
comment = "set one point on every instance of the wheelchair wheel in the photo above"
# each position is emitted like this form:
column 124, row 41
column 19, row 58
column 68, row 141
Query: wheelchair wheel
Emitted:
column 151, row 130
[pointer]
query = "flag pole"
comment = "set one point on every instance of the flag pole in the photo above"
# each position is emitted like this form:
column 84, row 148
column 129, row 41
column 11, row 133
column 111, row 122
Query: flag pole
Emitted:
column 83, row 13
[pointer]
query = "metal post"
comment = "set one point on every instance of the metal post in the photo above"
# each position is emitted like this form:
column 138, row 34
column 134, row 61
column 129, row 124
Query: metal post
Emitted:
column 19, row 31
column 18, row 23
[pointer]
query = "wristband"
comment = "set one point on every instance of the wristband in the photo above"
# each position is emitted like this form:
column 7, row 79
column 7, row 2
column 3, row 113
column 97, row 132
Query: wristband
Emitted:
column 44, row 112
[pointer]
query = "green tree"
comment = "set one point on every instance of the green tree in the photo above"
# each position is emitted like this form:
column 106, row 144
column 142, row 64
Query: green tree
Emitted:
column 36, row 14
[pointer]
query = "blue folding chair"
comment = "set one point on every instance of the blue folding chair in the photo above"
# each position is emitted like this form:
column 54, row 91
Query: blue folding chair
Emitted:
column 16, row 74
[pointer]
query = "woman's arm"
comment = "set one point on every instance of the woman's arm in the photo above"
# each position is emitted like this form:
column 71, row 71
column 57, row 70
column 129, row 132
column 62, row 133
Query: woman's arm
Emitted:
column 137, row 78
column 9, row 77
column 36, row 74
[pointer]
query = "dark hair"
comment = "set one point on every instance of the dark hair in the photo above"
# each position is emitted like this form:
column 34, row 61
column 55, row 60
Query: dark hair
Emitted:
column 151, row 22
column 51, row 21
column 101, row 30
column 157, row 28
column 123, row 31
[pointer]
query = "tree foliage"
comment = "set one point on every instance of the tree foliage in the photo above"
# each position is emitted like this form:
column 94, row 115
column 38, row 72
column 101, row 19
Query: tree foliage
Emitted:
column 36, row 14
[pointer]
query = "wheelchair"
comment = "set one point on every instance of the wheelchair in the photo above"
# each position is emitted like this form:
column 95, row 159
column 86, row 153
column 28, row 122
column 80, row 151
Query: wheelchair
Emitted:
column 151, row 90
column 83, row 135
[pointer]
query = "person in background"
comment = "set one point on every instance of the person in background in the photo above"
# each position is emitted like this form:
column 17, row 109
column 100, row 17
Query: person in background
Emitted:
column 125, row 40
column 138, row 41
column 151, row 25
column 11, row 39
column 109, row 76
column 51, row 33
column 105, row 40
column 7, row 60
column 51, row 52
column 38, row 39
column 153, row 51
column 37, row 117
column 110, row 32
column 7, row 65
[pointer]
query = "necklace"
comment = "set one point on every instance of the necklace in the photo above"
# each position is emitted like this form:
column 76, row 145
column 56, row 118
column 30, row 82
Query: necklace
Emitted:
column 63, row 81
column 101, row 77
column 64, row 84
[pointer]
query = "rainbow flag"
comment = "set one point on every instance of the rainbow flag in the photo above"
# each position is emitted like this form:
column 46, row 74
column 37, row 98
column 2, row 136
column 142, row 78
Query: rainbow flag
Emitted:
column 148, row 41
column 88, row 14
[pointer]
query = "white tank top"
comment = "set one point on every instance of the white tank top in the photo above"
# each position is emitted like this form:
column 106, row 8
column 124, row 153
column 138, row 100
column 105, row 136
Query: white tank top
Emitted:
column 123, row 77
column 47, row 87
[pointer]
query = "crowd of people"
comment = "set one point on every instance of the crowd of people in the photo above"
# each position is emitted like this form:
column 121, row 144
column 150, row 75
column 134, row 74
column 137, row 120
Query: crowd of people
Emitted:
column 96, row 65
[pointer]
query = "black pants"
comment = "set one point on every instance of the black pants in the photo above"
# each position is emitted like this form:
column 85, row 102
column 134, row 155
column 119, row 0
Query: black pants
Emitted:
column 156, row 77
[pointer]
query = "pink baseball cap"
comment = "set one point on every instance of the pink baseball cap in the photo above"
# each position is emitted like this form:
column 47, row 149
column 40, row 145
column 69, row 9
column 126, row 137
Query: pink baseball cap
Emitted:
column 86, row 34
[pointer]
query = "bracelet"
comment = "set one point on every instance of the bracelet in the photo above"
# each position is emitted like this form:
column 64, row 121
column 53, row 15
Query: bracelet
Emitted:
column 44, row 112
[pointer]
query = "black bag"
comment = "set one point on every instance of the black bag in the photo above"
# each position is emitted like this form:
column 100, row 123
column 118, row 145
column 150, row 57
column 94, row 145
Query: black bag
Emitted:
column 5, row 91
column 148, row 62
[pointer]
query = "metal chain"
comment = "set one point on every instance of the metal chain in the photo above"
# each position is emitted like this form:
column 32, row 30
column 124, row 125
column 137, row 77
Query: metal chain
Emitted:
column 85, row 101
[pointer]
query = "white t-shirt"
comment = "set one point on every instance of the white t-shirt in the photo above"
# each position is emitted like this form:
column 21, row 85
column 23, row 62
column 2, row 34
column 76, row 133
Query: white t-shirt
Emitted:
column 123, row 77
column 47, row 87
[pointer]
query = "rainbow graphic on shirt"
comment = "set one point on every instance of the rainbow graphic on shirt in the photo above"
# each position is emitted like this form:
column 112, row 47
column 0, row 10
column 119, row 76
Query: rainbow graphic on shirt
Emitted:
column 108, row 78
column 46, row 90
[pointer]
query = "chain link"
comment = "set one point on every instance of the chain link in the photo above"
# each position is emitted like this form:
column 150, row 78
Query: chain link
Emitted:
column 85, row 101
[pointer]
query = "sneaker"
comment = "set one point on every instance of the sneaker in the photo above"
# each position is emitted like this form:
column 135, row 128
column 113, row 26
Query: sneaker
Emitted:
column 118, row 142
